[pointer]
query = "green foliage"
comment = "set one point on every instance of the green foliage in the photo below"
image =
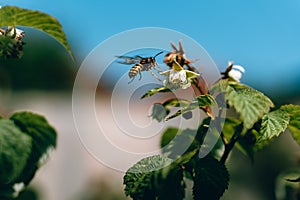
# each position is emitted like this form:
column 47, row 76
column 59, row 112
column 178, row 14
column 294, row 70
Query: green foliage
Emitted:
column 249, row 103
column 294, row 123
column 250, row 131
column 160, row 177
column 182, row 142
column 26, row 141
column 154, row 91
column 37, row 127
column 273, row 123
column 168, row 136
column 160, row 111
column 10, row 47
column 169, row 183
column 139, row 179
column 211, row 179
column 199, row 102
column 14, row 16
column 15, row 149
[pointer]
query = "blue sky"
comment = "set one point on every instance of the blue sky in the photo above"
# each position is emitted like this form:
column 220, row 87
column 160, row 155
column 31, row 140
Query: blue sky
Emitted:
column 263, row 36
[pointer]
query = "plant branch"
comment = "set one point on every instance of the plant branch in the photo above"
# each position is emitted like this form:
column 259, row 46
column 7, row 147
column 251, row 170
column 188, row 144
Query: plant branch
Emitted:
column 230, row 145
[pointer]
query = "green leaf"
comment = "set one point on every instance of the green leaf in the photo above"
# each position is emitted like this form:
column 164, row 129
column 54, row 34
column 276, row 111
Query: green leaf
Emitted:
column 169, row 183
column 175, row 103
column 14, row 16
column 201, row 101
column 182, row 145
column 294, row 124
column 15, row 149
column 211, row 179
column 154, row 91
column 297, row 180
column 248, row 102
column 139, row 179
column 159, row 112
column 273, row 123
column 168, row 136
column 43, row 138
column 182, row 142
column 37, row 127
column 206, row 100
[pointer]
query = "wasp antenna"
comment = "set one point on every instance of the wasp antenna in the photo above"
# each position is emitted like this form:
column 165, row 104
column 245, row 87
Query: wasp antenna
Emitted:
column 158, row 54
column 173, row 46
column 181, row 50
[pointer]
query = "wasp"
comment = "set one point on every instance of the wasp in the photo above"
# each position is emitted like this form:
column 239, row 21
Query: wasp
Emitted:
column 178, row 55
column 140, row 64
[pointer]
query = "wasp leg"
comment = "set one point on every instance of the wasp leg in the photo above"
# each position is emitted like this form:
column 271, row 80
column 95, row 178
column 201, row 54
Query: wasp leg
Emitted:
column 131, row 80
column 140, row 76
column 159, row 68
column 154, row 75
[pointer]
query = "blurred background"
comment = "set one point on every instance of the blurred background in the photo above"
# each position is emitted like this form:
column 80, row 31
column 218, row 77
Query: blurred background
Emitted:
column 262, row 36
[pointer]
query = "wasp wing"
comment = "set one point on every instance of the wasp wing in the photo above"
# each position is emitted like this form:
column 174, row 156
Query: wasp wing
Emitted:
column 127, row 60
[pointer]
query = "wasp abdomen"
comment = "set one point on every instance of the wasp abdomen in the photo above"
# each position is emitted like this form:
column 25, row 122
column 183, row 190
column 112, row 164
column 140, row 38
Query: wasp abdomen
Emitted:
column 135, row 70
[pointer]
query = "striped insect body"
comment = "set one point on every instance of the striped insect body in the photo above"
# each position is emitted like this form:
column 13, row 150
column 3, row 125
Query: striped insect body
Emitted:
column 140, row 64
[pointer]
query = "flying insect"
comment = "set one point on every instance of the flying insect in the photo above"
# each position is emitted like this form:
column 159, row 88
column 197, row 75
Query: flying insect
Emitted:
column 140, row 64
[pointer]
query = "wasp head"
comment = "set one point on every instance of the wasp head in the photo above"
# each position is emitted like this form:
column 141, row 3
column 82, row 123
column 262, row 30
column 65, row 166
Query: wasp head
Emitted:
column 169, row 58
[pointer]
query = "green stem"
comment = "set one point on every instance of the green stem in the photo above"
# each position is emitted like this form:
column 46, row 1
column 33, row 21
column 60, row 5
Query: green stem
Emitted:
column 230, row 145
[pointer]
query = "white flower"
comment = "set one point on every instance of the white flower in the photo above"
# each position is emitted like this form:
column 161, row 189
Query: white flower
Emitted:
column 236, row 72
column 178, row 79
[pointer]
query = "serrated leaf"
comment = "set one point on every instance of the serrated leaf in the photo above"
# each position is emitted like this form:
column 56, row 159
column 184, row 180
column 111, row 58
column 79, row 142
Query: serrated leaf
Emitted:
column 294, row 123
column 248, row 102
column 154, row 91
column 139, row 179
column 201, row 101
column 15, row 150
column 273, row 123
column 211, row 179
column 15, row 16
column 43, row 138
